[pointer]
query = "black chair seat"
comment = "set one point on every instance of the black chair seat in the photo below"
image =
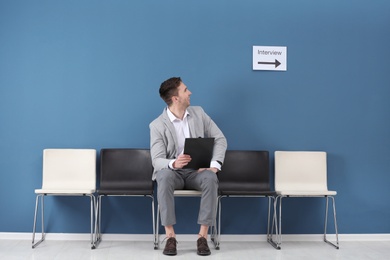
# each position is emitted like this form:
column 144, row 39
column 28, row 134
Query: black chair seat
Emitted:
column 256, row 186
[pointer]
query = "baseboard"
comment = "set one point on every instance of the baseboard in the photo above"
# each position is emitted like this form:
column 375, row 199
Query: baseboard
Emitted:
column 190, row 237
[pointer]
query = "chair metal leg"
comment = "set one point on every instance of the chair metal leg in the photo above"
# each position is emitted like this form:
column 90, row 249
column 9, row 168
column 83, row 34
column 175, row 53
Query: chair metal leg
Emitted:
column 269, row 231
column 274, row 223
column 218, row 237
column 216, row 228
column 214, row 235
column 336, row 245
column 39, row 196
column 98, row 214
column 98, row 220
column 157, row 238
column 93, row 218
column 279, row 236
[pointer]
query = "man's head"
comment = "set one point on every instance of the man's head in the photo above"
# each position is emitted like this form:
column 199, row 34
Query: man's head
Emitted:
column 169, row 88
column 173, row 90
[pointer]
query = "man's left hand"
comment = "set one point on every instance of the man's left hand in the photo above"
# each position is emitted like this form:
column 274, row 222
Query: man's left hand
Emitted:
column 213, row 169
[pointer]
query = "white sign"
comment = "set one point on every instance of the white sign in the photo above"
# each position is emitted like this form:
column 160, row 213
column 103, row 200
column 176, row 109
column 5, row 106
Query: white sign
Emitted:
column 270, row 58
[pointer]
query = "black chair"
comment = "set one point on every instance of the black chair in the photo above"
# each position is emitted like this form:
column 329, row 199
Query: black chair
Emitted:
column 246, row 174
column 125, row 172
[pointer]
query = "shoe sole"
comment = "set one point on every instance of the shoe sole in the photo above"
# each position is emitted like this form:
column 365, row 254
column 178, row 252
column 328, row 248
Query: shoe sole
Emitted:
column 169, row 253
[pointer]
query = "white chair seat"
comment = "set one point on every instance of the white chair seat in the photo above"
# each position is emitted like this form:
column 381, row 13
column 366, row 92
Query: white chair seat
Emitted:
column 185, row 193
column 70, row 192
column 301, row 193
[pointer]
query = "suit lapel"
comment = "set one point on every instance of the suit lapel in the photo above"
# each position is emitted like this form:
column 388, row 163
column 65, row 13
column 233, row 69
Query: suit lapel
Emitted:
column 191, row 125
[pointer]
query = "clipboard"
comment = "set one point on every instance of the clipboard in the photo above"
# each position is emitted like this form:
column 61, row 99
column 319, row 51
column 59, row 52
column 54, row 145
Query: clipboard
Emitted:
column 200, row 150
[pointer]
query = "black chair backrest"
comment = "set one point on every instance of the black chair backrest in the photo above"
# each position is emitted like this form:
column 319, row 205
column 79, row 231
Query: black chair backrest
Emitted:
column 245, row 173
column 126, row 171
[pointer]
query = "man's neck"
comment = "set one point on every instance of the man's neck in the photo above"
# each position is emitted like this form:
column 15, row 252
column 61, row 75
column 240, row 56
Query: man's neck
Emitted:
column 177, row 111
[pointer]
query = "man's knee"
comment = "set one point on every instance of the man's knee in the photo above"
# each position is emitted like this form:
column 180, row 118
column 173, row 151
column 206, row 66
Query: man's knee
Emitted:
column 209, row 179
column 210, row 175
column 165, row 177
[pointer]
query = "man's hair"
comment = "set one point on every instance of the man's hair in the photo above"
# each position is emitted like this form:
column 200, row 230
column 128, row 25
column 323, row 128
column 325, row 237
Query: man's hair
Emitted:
column 169, row 88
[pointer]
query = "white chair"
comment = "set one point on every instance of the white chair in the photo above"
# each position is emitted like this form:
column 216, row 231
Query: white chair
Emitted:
column 66, row 172
column 303, row 174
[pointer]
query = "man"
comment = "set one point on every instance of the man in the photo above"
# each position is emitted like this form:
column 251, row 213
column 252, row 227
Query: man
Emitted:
column 178, row 121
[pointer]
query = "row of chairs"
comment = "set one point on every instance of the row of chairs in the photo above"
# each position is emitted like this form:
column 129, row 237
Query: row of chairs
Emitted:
column 127, row 172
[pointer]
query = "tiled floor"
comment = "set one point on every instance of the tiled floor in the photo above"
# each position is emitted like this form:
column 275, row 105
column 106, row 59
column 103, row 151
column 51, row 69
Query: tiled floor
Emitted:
column 54, row 249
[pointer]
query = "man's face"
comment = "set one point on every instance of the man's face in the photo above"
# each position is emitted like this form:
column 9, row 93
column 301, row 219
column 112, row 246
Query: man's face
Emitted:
column 183, row 95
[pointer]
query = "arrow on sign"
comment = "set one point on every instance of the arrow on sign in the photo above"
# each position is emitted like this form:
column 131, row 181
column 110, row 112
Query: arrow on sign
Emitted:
column 276, row 63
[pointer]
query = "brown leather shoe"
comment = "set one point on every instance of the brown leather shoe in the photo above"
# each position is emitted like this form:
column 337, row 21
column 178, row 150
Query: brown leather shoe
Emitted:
column 203, row 248
column 170, row 246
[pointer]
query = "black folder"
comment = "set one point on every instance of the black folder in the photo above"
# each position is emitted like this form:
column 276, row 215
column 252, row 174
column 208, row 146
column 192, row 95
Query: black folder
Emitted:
column 200, row 150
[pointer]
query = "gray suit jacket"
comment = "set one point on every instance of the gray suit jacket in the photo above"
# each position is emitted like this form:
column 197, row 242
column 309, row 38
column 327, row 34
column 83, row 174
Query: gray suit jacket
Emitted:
column 163, row 141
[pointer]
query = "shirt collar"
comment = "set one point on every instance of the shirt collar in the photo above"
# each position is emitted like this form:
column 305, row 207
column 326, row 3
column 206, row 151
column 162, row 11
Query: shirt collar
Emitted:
column 172, row 117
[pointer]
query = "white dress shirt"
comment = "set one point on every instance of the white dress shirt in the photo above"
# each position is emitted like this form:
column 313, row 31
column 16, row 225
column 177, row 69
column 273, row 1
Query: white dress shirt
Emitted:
column 183, row 132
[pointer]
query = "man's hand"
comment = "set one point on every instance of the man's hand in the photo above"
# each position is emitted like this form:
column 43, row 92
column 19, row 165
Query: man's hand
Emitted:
column 181, row 161
column 213, row 169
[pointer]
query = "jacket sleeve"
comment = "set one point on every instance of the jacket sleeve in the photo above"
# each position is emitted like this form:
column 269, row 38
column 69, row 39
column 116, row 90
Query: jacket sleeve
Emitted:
column 158, row 150
column 212, row 130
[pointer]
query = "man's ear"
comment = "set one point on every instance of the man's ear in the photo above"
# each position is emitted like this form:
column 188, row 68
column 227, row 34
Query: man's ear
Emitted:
column 175, row 98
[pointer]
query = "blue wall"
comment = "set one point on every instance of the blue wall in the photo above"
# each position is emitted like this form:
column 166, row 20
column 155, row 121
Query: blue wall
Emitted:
column 85, row 74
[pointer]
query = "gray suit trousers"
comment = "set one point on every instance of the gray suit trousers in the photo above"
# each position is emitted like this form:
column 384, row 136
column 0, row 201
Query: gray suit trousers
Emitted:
column 169, row 180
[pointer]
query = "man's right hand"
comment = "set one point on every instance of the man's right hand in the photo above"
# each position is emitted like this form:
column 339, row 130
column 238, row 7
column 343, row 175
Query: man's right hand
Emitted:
column 181, row 161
